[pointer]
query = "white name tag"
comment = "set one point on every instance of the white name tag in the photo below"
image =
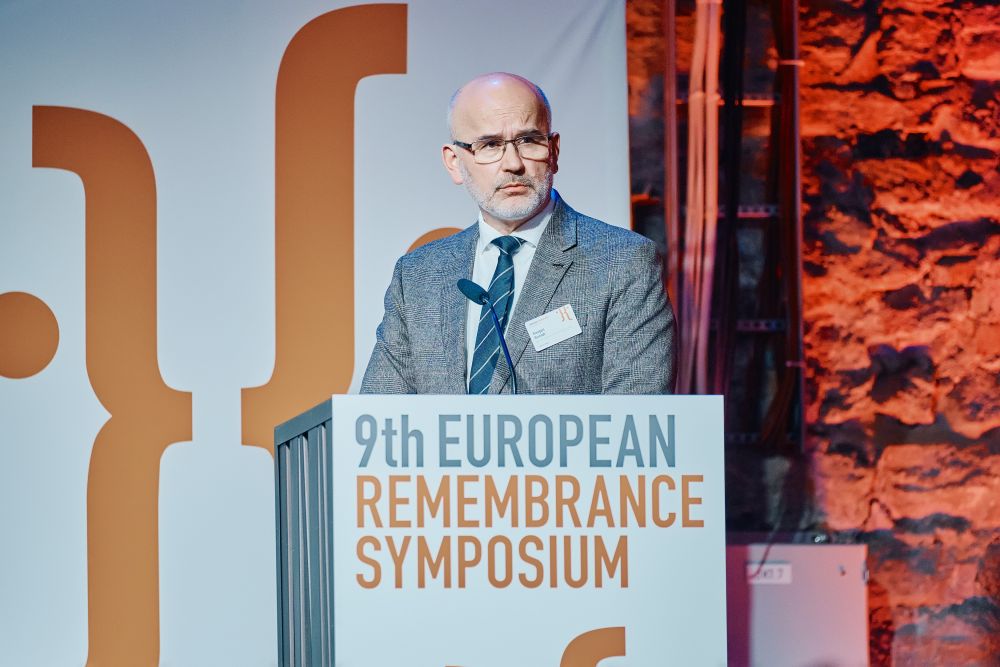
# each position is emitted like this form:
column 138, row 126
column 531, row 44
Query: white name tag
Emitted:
column 553, row 327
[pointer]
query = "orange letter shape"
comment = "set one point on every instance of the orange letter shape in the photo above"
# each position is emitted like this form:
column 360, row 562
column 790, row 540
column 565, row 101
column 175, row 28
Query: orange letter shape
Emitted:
column 591, row 647
column 314, row 208
column 146, row 415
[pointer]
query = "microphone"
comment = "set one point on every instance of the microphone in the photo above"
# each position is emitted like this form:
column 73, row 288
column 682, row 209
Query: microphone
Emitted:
column 477, row 294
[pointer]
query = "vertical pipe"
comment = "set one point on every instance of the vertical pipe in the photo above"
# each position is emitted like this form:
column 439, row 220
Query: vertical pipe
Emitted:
column 727, row 268
column 795, row 204
column 710, row 214
column 671, row 218
column 789, row 156
column 694, row 202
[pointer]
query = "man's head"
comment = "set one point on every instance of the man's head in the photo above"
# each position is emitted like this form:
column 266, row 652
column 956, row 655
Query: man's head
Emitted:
column 491, row 109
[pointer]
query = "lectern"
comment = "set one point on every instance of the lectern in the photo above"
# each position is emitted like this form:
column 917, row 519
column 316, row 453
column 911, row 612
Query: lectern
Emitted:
column 504, row 530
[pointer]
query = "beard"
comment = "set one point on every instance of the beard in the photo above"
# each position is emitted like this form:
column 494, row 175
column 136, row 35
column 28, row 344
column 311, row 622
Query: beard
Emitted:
column 509, row 209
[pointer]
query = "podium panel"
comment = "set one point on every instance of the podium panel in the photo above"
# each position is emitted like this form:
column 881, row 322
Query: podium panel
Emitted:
column 505, row 530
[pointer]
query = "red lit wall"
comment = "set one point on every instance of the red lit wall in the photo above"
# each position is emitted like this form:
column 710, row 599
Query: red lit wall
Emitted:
column 901, row 192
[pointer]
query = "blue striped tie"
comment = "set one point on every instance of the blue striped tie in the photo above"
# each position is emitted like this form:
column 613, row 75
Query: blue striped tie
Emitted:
column 501, row 289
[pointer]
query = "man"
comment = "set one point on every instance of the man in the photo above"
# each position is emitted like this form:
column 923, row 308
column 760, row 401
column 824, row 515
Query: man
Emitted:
column 535, row 255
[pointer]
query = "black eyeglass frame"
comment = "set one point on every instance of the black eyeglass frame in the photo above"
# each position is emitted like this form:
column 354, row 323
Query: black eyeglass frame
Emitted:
column 548, row 139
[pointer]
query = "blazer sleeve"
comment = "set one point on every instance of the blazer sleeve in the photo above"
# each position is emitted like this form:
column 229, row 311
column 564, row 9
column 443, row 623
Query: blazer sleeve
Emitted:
column 639, row 353
column 390, row 368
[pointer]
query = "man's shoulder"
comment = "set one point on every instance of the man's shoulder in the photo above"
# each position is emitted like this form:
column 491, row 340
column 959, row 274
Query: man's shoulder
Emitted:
column 597, row 235
column 440, row 250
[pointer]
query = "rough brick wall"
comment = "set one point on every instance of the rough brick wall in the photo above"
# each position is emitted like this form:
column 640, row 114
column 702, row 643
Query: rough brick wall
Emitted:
column 901, row 133
column 901, row 139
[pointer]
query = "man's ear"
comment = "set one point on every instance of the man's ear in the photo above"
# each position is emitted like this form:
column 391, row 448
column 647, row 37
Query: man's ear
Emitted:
column 450, row 159
column 554, row 152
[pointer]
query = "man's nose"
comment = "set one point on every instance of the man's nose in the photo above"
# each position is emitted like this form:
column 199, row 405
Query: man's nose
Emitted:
column 511, row 160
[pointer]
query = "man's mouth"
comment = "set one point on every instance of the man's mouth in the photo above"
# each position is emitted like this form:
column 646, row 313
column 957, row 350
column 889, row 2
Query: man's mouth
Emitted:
column 513, row 188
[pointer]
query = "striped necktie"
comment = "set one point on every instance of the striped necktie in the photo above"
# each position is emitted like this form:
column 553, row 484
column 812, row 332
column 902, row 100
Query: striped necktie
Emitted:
column 501, row 289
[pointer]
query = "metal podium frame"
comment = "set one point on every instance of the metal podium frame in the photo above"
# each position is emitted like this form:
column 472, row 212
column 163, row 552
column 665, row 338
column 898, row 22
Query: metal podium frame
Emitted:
column 303, row 476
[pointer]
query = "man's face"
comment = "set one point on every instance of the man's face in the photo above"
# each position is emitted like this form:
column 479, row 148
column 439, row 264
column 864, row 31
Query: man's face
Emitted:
column 513, row 189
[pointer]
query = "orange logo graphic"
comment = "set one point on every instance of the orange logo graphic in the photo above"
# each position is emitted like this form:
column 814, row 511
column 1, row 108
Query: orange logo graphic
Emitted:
column 588, row 649
column 314, row 250
column 591, row 647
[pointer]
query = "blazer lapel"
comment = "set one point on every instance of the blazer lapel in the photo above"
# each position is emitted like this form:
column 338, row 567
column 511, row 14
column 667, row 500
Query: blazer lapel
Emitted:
column 553, row 258
column 454, row 307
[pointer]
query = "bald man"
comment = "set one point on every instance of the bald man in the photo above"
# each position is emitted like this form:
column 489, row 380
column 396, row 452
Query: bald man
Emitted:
column 581, row 302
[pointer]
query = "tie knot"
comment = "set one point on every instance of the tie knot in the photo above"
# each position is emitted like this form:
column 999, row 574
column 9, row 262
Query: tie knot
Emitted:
column 508, row 244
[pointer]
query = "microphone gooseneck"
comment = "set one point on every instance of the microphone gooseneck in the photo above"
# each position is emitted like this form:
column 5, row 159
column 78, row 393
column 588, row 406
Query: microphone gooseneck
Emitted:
column 477, row 294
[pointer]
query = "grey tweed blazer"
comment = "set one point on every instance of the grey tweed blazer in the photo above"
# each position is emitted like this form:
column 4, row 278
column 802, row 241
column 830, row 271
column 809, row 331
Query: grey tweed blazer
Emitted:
column 611, row 276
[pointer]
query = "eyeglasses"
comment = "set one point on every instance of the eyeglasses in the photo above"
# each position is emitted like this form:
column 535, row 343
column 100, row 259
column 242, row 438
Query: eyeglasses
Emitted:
column 528, row 146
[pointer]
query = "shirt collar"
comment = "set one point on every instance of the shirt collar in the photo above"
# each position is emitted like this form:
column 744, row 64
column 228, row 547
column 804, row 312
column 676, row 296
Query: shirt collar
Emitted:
column 530, row 232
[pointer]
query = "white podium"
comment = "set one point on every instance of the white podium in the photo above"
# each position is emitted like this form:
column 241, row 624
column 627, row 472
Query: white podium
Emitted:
column 494, row 531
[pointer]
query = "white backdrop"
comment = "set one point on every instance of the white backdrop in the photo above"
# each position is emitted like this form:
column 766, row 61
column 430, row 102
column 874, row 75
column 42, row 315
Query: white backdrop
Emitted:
column 195, row 81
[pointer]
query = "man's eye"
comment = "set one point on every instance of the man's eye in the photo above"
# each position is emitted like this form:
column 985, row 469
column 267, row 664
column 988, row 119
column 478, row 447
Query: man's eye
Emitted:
column 491, row 144
column 530, row 139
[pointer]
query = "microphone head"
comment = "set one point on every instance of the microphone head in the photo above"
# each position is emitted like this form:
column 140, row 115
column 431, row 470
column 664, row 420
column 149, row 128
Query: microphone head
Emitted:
column 473, row 292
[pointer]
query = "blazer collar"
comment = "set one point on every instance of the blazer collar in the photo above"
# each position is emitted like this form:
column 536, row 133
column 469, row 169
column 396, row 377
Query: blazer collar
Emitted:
column 454, row 307
column 556, row 252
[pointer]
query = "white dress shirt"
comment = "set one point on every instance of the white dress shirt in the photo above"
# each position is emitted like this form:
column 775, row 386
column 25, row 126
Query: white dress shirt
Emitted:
column 485, row 265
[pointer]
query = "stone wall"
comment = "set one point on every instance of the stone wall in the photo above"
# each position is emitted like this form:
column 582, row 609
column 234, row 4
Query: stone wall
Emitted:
column 901, row 191
column 901, row 133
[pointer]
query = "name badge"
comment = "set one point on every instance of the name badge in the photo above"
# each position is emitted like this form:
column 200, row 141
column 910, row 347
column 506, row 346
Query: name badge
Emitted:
column 553, row 327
